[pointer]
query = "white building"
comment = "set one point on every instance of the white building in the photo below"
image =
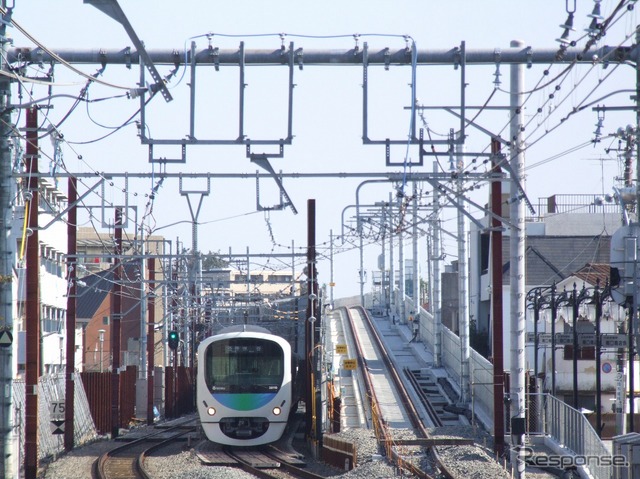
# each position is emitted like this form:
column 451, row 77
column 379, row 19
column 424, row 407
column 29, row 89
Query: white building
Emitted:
column 53, row 283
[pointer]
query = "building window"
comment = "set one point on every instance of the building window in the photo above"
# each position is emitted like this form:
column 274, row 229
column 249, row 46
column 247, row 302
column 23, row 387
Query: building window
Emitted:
column 280, row 278
column 105, row 320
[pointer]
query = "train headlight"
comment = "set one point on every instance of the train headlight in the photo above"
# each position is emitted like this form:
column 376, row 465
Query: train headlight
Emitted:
column 276, row 411
column 211, row 411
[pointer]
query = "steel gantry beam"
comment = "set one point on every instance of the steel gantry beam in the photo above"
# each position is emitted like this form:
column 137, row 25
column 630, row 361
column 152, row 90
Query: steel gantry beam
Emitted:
column 323, row 57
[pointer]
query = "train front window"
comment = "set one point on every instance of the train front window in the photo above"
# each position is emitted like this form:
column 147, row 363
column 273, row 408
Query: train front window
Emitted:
column 244, row 365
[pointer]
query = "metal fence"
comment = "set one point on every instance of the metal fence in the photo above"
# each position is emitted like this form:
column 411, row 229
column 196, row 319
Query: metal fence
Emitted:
column 546, row 415
column 481, row 367
column 482, row 386
column 52, row 389
column 570, row 428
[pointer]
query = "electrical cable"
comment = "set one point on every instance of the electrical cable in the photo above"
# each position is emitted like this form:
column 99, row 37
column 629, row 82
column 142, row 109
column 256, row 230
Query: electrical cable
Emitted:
column 58, row 59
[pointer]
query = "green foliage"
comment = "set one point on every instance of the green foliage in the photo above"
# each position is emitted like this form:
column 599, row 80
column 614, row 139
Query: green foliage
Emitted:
column 212, row 260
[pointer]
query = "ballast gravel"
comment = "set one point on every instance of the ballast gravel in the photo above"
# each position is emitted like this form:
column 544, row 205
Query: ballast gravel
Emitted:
column 179, row 461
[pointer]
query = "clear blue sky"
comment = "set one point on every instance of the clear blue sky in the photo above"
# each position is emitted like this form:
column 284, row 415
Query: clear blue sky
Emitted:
column 327, row 105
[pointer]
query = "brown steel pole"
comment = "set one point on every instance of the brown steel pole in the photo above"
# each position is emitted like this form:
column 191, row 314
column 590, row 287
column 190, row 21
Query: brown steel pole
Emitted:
column 116, row 312
column 150, row 337
column 72, row 261
column 32, row 309
column 309, row 326
column 496, row 307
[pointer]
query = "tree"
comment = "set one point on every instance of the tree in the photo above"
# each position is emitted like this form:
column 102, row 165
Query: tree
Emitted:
column 210, row 260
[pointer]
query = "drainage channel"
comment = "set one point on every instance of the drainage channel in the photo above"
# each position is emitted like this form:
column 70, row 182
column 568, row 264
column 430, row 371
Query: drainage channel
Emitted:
column 438, row 404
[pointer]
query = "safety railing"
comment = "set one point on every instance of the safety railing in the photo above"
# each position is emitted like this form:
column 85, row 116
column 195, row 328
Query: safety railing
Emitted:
column 546, row 415
column 570, row 428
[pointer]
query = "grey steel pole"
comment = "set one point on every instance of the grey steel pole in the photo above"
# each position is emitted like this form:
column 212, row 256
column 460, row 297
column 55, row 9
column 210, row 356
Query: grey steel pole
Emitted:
column 361, row 268
column 248, row 278
column 402, row 293
column 416, row 259
column 437, row 258
column 634, row 324
column 554, row 317
column 597, row 300
column 517, row 271
column 383, row 260
column 331, row 282
column 463, row 287
column 293, row 268
column 575, row 311
column 8, row 467
column 392, row 267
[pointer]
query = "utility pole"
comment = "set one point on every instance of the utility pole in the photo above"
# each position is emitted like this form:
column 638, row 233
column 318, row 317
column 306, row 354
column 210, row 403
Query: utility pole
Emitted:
column 116, row 316
column 331, row 282
column 496, row 303
column 517, row 271
column 72, row 269
column 463, row 287
column 33, row 301
column 151, row 264
column 361, row 272
column 416, row 259
column 313, row 411
column 8, row 451
column 143, row 372
column 382, row 263
column 402, row 289
column 634, row 323
column 392, row 277
column 437, row 259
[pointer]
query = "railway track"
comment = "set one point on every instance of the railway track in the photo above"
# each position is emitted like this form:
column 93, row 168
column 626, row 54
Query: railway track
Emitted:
column 437, row 407
column 381, row 423
column 127, row 461
column 264, row 462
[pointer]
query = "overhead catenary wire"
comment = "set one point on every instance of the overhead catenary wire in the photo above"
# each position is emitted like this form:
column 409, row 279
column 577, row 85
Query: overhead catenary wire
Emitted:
column 475, row 166
column 60, row 60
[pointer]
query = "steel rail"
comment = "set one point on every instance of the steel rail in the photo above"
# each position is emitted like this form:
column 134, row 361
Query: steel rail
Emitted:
column 294, row 470
column 247, row 467
column 379, row 425
column 131, row 452
column 411, row 410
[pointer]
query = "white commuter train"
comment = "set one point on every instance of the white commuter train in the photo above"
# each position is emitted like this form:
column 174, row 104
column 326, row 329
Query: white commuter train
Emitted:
column 244, row 386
